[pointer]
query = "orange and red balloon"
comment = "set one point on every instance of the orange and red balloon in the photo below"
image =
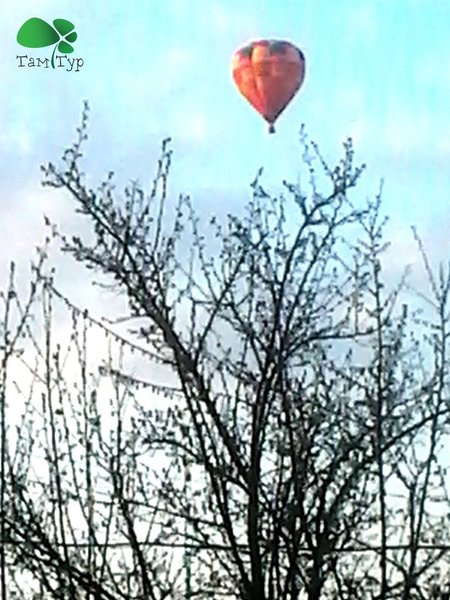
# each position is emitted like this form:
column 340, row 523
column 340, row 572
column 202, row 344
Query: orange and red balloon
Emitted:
column 269, row 73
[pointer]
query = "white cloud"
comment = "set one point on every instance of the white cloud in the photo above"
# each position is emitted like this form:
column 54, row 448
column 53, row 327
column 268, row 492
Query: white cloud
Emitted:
column 21, row 139
column 178, row 8
column 430, row 70
column 191, row 125
column 179, row 58
column 401, row 134
column 443, row 142
column 414, row 133
column 220, row 17
column 349, row 102
column 171, row 72
column 362, row 21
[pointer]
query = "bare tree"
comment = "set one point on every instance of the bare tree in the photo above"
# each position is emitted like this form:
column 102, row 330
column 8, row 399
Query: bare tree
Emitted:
column 295, row 451
column 68, row 525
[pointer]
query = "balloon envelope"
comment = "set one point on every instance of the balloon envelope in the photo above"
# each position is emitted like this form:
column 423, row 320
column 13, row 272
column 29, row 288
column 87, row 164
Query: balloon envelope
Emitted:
column 268, row 73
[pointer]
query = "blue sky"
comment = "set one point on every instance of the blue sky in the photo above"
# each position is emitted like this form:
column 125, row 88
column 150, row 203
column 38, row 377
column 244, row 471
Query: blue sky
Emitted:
column 376, row 70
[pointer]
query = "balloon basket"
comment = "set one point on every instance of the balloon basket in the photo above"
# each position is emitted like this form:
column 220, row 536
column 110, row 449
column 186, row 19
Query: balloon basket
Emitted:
column 271, row 128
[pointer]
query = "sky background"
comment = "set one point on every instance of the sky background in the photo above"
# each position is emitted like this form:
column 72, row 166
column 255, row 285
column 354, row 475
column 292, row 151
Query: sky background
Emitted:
column 377, row 71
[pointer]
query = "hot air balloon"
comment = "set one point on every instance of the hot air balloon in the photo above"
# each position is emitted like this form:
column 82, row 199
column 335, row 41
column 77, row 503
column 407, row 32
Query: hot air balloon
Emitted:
column 268, row 73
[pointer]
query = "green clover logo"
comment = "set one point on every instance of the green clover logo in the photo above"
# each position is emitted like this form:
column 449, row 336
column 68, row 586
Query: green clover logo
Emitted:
column 36, row 33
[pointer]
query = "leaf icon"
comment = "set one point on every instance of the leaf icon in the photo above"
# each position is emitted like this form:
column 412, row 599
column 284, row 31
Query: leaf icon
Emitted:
column 36, row 33
column 65, row 48
column 63, row 26
column 71, row 37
